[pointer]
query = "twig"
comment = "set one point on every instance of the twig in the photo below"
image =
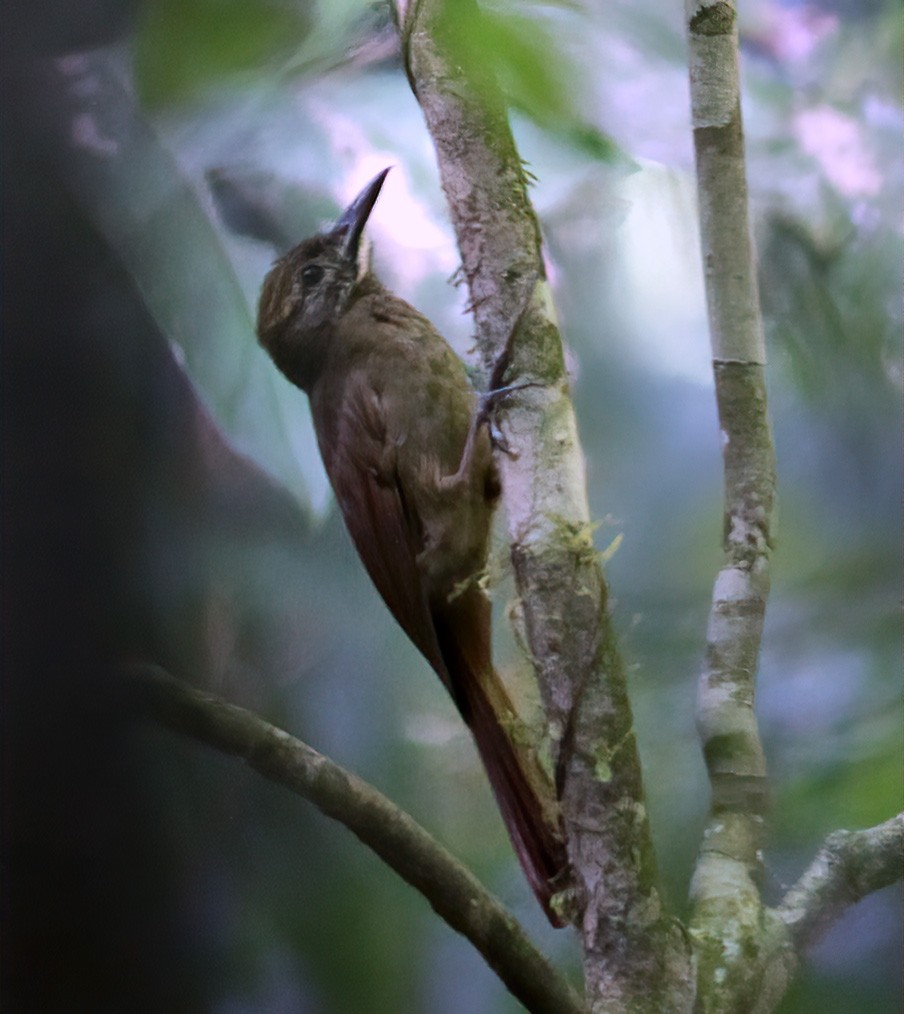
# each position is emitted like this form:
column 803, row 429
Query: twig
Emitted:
column 850, row 865
column 452, row 890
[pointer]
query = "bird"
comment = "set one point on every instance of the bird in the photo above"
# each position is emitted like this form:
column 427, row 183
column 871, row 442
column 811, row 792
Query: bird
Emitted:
column 404, row 441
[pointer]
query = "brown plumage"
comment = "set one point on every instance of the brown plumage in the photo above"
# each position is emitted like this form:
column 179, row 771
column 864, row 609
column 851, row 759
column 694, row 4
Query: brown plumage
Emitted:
column 414, row 477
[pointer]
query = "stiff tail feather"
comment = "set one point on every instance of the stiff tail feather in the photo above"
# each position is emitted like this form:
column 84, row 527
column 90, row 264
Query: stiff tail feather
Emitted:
column 537, row 843
column 515, row 777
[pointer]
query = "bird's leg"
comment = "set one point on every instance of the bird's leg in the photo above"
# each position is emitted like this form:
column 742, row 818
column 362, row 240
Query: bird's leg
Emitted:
column 499, row 390
column 504, row 359
column 486, row 405
column 462, row 476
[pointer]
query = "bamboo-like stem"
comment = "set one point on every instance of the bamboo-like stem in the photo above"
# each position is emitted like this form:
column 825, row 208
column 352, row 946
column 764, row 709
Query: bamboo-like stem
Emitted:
column 727, row 907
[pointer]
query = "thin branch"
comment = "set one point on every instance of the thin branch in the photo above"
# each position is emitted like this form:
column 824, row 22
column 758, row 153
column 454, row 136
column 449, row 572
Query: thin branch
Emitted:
column 452, row 890
column 632, row 949
column 727, row 912
column 849, row 866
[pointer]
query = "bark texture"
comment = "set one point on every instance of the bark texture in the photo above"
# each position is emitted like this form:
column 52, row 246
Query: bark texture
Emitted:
column 849, row 866
column 727, row 920
column 635, row 955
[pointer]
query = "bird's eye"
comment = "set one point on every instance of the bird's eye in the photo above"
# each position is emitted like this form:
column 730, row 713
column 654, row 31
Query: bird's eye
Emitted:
column 312, row 274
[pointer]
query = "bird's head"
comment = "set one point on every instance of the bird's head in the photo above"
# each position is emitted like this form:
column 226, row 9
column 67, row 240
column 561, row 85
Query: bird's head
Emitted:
column 307, row 291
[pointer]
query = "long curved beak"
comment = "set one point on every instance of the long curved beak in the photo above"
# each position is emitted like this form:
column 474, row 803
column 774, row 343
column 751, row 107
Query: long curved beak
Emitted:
column 352, row 221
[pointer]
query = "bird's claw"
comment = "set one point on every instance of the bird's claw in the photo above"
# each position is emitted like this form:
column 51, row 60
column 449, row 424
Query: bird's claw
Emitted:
column 499, row 442
column 489, row 401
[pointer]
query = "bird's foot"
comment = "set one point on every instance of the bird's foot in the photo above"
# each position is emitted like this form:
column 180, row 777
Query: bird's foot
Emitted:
column 487, row 404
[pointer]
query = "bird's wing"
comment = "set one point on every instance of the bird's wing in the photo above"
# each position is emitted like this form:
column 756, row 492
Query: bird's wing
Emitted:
column 360, row 456
column 361, row 463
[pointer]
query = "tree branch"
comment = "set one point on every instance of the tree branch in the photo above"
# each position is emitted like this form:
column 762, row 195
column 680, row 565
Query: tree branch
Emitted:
column 633, row 951
column 727, row 905
column 849, row 866
column 453, row 892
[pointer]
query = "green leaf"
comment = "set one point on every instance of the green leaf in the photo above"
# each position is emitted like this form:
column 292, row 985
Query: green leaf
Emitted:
column 184, row 47
column 531, row 67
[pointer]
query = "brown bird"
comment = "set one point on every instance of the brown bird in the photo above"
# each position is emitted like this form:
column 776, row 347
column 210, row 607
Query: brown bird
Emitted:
column 411, row 464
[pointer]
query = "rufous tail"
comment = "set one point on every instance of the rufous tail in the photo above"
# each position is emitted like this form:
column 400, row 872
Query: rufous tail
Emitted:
column 517, row 780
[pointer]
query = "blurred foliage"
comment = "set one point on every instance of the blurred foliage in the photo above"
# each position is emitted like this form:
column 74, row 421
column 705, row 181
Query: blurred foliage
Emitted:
column 183, row 48
column 518, row 44
column 253, row 124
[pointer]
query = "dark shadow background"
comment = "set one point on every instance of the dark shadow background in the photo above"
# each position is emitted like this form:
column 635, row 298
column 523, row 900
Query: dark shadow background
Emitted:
column 103, row 442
